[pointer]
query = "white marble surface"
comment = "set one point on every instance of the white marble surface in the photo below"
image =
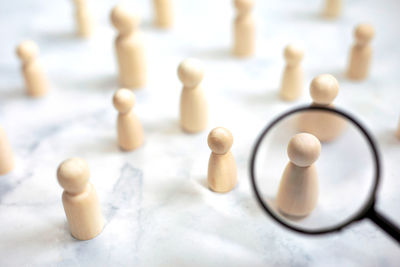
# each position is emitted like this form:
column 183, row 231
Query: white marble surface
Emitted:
column 158, row 209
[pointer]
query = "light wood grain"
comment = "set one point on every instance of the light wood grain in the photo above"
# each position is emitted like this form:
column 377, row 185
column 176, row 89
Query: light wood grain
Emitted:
column 79, row 199
column 360, row 53
column 129, row 49
column 36, row 83
column 298, row 189
column 222, row 176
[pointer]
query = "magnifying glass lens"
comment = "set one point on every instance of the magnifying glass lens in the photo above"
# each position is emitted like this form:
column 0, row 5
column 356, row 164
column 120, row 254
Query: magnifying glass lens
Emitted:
column 314, row 170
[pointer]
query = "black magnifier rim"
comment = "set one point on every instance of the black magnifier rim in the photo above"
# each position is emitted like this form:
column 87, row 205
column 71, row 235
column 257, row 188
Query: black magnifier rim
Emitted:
column 361, row 212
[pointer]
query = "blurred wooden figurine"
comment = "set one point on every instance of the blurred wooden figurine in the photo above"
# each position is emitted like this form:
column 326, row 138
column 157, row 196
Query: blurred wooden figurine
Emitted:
column 244, row 30
column 332, row 8
column 163, row 13
column 129, row 49
column 398, row 131
column 83, row 18
column 293, row 78
column 35, row 80
column 129, row 128
column 79, row 198
column 325, row 126
column 298, row 189
column 360, row 53
column 193, row 105
column 221, row 166
column 6, row 154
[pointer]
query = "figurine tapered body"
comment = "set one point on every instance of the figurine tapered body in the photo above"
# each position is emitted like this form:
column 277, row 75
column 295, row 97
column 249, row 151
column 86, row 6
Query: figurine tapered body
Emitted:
column 129, row 129
column 36, row 83
column 360, row 53
column 79, row 198
column 6, row 154
column 332, row 8
column 222, row 175
column 83, row 18
column 243, row 29
column 163, row 15
column 193, row 106
column 129, row 49
column 398, row 131
column 293, row 77
column 324, row 125
column 298, row 188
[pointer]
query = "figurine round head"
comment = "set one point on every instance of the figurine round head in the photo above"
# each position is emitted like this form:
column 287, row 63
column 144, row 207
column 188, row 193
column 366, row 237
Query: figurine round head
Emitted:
column 123, row 100
column 190, row 72
column 324, row 89
column 303, row 149
column 27, row 50
column 73, row 175
column 123, row 20
column 293, row 54
column 220, row 140
column 363, row 33
column 243, row 5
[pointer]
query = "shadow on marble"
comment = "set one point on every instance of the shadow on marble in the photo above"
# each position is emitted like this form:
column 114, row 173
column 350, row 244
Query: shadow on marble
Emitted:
column 249, row 203
column 99, row 145
column 149, row 26
column 169, row 194
column 108, row 144
column 202, row 181
column 387, row 138
column 60, row 37
column 165, row 127
column 12, row 94
column 260, row 98
column 312, row 15
column 96, row 83
column 216, row 53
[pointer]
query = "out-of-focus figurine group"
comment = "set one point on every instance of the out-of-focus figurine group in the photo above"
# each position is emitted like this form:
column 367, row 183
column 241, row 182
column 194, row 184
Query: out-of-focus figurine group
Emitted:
column 298, row 190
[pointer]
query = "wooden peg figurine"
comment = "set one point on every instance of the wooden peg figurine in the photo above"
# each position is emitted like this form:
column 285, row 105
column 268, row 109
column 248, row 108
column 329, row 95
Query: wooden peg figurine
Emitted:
column 79, row 198
column 163, row 13
column 398, row 131
column 298, row 189
column 6, row 154
column 129, row 128
column 244, row 30
column 193, row 105
column 83, row 18
column 129, row 49
column 293, row 78
column 332, row 8
column 221, row 166
column 325, row 126
column 35, row 80
column 360, row 53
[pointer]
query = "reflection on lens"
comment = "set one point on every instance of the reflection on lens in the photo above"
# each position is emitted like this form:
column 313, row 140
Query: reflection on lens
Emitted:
column 309, row 184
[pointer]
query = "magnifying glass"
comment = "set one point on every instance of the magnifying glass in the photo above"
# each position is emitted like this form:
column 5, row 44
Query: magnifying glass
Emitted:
column 316, row 170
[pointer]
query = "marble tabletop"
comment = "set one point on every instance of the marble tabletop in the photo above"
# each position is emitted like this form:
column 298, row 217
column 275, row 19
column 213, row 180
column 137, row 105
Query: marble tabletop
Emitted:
column 158, row 209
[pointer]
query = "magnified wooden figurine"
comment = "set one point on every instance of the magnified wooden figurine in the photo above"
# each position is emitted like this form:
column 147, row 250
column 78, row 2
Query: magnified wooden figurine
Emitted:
column 298, row 189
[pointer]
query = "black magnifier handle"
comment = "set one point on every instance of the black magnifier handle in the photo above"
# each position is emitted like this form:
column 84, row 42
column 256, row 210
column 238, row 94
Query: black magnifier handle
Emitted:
column 384, row 223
